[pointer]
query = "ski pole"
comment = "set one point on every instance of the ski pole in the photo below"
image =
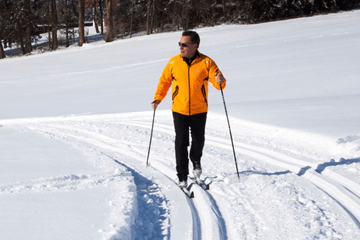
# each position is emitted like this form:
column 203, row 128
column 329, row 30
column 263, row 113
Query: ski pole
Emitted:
column 232, row 142
column 152, row 128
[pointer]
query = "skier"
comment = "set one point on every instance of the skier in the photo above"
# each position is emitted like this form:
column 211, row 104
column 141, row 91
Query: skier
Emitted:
column 189, row 74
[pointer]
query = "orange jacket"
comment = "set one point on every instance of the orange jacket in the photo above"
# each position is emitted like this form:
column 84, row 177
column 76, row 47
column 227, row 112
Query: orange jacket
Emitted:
column 189, row 84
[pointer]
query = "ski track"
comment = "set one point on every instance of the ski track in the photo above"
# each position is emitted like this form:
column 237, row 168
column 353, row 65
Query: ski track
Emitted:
column 345, row 191
column 123, row 139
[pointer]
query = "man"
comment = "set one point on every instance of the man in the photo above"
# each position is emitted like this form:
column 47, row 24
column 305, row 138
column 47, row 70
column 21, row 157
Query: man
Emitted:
column 189, row 74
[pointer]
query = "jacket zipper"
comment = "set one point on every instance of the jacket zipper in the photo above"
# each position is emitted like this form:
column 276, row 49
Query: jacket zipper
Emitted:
column 189, row 89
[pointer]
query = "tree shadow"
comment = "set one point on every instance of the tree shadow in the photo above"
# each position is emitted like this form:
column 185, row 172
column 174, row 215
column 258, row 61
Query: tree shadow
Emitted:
column 303, row 171
column 321, row 167
column 252, row 172
column 210, row 179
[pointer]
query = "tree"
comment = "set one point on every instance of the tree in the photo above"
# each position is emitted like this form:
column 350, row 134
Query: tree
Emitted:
column 67, row 17
column 97, row 13
column 149, row 16
column 2, row 53
column 224, row 9
column 2, row 28
column 54, row 23
column 131, row 18
column 67, row 20
column 184, row 15
column 96, row 20
column 81, row 22
column 20, row 36
column 28, row 47
column 109, row 36
column 21, row 21
column 101, row 17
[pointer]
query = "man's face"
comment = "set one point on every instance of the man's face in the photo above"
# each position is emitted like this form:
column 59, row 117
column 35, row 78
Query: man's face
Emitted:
column 190, row 49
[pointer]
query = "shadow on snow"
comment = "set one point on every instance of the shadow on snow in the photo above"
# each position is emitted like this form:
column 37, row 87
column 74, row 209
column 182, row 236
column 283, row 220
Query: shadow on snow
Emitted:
column 151, row 220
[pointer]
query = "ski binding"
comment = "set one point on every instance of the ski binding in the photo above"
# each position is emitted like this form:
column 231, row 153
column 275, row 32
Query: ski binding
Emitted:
column 201, row 183
column 188, row 193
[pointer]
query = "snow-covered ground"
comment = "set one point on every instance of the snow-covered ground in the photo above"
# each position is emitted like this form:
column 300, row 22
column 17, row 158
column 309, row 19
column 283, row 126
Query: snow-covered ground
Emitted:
column 75, row 128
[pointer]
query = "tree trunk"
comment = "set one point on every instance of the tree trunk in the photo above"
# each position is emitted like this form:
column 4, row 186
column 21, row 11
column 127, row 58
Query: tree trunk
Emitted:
column 96, row 20
column 101, row 18
column 21, row 40
column 81, row 22
column 109, row 37
column 48, row 29
column 67, row 16
column 131, row 17
column 28, row 47
column 148, row 18
column 54, row 25
column 224, row 9
column 184, row 20
column 2, row 53
column 152, row 17
column 67, row 44
column 50, row 40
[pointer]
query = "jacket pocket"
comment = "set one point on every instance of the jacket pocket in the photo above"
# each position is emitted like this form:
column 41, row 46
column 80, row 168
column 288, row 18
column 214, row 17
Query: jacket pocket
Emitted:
column 175, row 93
column 204, row 94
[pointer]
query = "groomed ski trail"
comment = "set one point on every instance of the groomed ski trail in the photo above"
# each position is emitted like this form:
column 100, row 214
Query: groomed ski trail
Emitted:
column 345, row 191
column 207, row 222
column 123, row 139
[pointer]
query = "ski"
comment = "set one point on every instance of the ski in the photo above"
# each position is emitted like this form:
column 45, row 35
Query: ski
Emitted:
column 188, row 193
column 201, row 183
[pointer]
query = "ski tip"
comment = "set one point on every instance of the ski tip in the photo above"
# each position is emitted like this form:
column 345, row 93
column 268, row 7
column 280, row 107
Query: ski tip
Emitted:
column 191, row 195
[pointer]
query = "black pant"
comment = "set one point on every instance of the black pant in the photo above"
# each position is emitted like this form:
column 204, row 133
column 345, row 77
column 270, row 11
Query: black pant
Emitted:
column 196, row 124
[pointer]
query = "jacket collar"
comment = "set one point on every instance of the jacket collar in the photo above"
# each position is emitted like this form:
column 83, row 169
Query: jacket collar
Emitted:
column 190, row 60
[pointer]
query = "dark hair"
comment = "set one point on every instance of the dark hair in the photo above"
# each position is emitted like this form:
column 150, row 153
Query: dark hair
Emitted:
column 194, row 36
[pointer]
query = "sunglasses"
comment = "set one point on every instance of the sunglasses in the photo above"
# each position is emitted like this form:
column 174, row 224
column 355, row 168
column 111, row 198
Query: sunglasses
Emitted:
column 184, row 44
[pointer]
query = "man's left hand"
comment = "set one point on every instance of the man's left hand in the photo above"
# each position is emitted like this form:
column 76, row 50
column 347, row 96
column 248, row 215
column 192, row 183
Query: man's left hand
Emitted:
column 219, row 77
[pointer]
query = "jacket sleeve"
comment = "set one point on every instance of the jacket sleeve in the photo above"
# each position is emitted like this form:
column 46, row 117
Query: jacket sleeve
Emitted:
column 213, row 69
column 164, row 83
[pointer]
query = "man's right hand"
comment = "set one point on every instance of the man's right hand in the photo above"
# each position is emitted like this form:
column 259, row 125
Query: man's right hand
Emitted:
column 155, row 103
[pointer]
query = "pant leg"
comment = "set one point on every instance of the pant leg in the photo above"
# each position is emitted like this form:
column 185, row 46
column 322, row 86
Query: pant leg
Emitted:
column 197, row 126
column 181, row 124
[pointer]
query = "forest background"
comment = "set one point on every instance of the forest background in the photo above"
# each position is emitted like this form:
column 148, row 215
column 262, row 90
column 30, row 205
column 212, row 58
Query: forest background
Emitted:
column 22, row 22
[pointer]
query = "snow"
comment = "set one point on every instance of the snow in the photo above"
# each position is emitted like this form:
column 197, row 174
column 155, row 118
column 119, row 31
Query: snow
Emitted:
column 75, row 128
